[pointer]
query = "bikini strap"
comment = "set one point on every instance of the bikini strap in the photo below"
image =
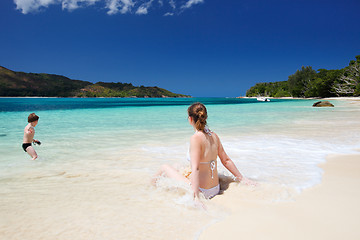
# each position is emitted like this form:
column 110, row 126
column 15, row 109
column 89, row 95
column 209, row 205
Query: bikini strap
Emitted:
column 212, row 166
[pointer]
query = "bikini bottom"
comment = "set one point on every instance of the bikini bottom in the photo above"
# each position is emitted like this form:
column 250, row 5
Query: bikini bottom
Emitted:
column 211, row 192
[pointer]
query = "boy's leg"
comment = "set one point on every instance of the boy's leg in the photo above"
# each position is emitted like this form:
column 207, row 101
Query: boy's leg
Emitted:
column 31, row 151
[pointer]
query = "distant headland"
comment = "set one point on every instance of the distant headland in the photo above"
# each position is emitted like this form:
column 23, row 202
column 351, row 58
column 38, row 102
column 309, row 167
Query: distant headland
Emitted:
column 308, row 83
column 20, row 84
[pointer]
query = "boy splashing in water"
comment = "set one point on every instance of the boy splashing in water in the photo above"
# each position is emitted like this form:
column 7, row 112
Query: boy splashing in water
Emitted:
column 29, row 133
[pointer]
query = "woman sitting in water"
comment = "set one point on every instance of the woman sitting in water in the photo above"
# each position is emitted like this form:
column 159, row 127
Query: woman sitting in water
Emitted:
column 205, row 146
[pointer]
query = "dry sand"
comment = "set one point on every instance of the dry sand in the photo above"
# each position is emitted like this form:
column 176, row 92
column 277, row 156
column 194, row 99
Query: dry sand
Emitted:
column 329, row 210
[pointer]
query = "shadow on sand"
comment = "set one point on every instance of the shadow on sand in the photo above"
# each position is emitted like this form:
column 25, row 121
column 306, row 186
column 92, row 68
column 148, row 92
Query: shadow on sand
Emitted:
column 225, row 183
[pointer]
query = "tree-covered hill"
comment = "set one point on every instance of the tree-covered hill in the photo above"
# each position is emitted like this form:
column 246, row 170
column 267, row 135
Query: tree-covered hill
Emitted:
column 20, row 84
column 310, row 83
column 34, row 84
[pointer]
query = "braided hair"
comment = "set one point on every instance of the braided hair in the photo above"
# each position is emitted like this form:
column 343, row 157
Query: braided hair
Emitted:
column 199, row 114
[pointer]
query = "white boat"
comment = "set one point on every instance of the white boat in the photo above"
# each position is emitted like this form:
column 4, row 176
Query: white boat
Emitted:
column 263, row 99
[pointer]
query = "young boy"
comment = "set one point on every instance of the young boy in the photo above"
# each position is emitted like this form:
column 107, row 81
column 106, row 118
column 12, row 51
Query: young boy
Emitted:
column 29, row 133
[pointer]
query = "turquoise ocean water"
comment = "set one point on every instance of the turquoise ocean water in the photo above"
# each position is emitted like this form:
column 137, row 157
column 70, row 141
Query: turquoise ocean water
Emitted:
column 97, row 156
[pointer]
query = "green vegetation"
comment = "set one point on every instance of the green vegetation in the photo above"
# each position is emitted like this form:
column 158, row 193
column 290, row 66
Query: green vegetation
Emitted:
column 310, row 83
column 20, row 84
column 102, row 89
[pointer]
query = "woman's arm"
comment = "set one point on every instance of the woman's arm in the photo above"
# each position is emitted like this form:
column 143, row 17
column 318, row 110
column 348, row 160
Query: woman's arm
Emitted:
column 195, row 155
column 227, row 162
column 230, row 165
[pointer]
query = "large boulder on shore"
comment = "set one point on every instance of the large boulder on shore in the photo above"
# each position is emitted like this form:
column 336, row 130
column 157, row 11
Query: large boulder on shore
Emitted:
column 323, row 104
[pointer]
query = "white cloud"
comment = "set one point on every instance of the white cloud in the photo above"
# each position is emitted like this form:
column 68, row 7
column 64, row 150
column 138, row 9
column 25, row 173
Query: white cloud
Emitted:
column 112, row 6
column 27, row 6
column 143, row 9
column 172, row 4
column 122, row 6
column 74, row 4
column 190, row 3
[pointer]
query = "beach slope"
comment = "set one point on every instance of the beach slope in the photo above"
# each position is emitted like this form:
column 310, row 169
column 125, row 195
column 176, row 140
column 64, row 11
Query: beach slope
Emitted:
column 329, row 210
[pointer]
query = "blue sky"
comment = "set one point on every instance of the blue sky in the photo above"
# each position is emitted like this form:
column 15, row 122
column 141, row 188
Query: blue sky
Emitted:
column 196, row 47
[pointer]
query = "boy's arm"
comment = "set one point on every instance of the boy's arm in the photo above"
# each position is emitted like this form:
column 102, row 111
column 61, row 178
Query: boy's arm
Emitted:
column 29, row 130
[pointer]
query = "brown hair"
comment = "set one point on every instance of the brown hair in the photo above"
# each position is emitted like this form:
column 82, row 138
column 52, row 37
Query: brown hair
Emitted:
column 199, row 114
column 33, row 117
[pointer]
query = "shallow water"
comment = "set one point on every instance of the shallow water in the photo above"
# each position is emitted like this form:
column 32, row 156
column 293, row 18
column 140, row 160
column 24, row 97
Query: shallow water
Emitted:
column 98, row 155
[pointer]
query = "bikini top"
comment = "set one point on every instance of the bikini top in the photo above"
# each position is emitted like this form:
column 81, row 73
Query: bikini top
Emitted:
column 212, row 164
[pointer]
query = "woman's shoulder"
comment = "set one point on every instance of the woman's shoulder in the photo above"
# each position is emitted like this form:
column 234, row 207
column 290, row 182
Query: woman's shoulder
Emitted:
column 197, row 135
column 200, row 136
column 216, row 138
column 214, row 134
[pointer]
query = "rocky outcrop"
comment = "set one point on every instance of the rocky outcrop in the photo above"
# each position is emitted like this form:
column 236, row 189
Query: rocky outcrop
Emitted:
column 323, row 104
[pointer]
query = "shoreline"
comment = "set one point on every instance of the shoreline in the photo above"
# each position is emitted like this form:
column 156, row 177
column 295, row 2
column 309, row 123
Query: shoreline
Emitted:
column 297, row 98
column 328, row 210
column 290, row 98
column 94, row 97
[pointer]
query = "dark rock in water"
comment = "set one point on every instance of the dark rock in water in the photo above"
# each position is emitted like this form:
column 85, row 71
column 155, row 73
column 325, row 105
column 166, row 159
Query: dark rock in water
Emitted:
column 2, row 135
column 323, row 104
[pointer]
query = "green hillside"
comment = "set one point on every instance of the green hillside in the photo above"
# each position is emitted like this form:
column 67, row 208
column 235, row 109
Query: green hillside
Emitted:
column 20, row 84
column 310, row 83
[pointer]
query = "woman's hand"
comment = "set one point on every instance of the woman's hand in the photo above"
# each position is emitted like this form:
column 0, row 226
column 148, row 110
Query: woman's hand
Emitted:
column 199, row 204
column 246, row 181
column 249, row 182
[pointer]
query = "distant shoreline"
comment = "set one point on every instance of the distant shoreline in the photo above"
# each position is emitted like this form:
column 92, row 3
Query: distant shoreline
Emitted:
column 330, row 98
column 93, row 97
column 21, row 84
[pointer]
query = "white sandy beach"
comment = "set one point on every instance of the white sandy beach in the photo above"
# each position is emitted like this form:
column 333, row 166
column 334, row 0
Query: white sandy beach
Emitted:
column 329, row 210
